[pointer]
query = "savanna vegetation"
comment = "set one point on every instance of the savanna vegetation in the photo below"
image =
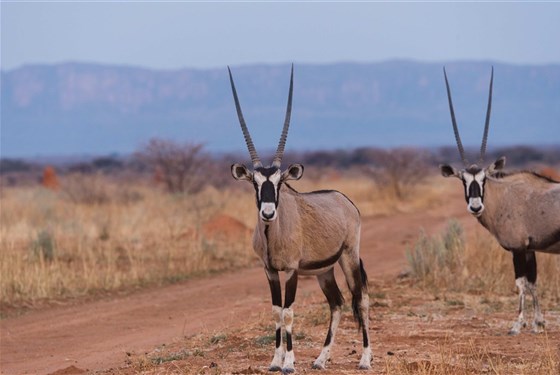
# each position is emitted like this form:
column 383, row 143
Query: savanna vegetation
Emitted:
column 171, row 211
column 163, row 215
column 166, row 214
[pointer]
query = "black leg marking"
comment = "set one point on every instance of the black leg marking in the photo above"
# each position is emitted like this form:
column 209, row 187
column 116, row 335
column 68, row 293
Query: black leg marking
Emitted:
column 335, row 299
column 288, row 341
column 330, row 289
column 356, row 278
column 275, row 288
column 278, row 337
column 291, row 288
column 519, row 264
column 329, row 336
column 276, row 293
column 357, row 297
column 531, row 267
column 288, row 320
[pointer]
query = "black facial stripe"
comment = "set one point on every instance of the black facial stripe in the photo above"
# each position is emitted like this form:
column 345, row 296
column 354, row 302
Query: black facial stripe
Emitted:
column 465, row 190
column 475, row 190
column 268, row 192
column 278, row 193
column 257, row 195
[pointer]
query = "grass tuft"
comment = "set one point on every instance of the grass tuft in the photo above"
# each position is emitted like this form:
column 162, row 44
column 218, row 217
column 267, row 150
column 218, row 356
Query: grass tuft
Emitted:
column 436, row 260
column 43, row 246
column 449, row 263
column 58, row 248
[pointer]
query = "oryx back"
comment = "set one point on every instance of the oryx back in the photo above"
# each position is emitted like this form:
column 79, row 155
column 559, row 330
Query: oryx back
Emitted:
column 523, row 211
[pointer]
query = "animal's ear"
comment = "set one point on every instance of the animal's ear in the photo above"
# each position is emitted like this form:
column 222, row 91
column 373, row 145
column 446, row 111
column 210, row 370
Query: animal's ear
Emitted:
column 447, row 171
column 241, row 173
column 294, row 172
column 496, row 166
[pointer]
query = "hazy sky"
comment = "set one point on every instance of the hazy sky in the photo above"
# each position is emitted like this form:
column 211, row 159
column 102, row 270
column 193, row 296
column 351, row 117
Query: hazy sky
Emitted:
column 215, row 34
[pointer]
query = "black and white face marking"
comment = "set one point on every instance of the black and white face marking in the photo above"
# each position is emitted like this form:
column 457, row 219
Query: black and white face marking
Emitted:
column 473, row 180
column 267, row 182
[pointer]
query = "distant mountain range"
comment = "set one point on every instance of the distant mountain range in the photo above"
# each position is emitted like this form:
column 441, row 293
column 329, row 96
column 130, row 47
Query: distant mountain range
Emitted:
column 77, row 108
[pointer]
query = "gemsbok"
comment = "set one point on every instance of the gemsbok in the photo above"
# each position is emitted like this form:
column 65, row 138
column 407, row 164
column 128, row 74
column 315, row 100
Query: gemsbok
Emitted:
column 520, row 209
column 307, row 234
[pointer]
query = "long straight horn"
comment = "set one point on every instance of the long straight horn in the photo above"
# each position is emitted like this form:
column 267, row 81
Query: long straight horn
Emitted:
column 487, row 124
column 252, row 151
column 455, row 129
column 280, row 150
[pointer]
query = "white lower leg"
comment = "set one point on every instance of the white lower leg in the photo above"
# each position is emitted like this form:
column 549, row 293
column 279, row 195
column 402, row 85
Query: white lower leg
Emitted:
column 538, row 321
column 322, row 359
column 365, row 361
column 276, row 364
column 289, row 359
column 521, row 283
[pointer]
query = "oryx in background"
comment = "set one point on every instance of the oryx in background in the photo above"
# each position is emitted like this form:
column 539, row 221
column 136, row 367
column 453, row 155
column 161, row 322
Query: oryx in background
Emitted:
column 307, row 234
column 521, row 209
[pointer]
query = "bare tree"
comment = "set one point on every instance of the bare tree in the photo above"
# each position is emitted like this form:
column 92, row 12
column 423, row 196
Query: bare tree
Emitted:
column 179, row 166
column 399, row 169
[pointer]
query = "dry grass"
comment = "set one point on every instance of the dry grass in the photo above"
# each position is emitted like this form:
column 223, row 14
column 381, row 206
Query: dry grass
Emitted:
column 476, row 265
column 472, row 358
column 56, row 246
column 95, row 235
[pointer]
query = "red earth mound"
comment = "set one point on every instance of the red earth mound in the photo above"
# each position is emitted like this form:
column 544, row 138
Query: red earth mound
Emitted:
column 220, row 227
column 550, row 173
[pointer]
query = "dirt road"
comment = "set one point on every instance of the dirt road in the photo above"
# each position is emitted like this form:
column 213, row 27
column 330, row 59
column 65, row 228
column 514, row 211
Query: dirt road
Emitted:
column 98, row 335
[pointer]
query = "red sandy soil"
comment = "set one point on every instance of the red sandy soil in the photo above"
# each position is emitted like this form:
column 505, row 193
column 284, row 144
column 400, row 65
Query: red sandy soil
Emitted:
column 109, row 334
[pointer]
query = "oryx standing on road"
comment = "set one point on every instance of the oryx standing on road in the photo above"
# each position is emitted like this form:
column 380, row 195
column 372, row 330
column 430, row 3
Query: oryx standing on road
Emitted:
column 521, row 209
column 303, row 233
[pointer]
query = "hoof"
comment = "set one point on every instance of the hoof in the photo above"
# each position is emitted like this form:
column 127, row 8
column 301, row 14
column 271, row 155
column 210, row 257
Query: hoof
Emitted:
column 288, row 370
column 364, row 367
column 274, row 368
column 538, row 327
column 317, row 367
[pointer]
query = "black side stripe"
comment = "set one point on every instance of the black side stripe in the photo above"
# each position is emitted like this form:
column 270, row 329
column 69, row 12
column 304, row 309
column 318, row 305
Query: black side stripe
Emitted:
column 322, row 263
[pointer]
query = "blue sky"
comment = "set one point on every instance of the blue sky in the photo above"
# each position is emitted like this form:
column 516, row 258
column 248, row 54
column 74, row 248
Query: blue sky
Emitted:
column 214, row 34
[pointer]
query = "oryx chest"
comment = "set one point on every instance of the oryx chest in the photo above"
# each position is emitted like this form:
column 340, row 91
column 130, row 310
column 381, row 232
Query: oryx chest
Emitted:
column 275, row 252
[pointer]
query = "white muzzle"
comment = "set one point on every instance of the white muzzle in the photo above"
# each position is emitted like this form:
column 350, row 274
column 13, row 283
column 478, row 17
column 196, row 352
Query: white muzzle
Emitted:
column 268, row 211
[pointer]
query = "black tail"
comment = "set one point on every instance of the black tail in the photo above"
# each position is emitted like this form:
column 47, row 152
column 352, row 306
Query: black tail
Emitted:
column 361, row 286
column 364, row 277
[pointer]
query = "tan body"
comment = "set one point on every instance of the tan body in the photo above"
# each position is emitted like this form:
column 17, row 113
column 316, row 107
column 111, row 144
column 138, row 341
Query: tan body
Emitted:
column 522, row 211
column 311, row 227
column 303, row 233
